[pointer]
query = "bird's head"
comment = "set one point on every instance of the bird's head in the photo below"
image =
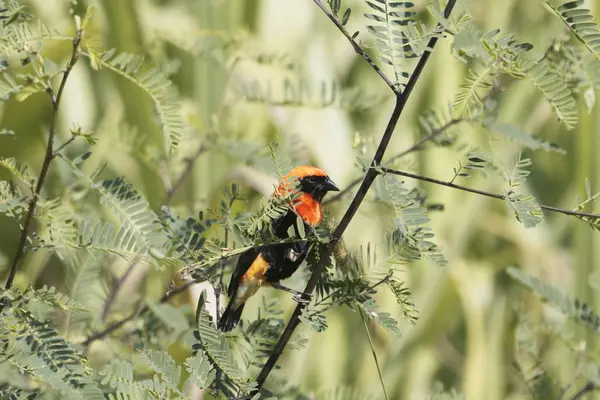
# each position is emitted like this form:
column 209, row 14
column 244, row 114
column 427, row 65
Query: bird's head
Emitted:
column 313, row 184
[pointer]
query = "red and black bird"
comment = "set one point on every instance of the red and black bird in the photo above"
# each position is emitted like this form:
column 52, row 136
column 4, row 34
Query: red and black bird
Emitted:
column 267, row 265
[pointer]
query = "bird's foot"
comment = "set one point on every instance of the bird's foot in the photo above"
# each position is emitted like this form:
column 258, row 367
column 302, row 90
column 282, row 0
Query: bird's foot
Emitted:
column 302, row 298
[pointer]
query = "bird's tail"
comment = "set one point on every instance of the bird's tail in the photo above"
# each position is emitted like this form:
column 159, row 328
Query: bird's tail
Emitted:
column 230, row 317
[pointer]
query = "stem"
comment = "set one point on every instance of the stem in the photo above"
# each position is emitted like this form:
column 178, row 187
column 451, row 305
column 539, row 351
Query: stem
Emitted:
column 116, row 288
column 415, row 147
column 134, row 314
column 170, row 192
column 590, row 387
column 357, row 47
column 188, row 169
column 401, row 100
column 50, row 155
column 374, row 353
column 65, row 144
column 575, row 213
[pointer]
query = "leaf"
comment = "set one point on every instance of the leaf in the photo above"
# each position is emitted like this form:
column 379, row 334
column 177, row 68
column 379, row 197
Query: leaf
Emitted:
column 201, row 373
column 170, row 316
column 574, row 309
column 580, row 22
column 554, row 89
column 163, row 364
column 527, row 210
column 397, row 33
column 468, row 102
column 382, row 318
column 525, row 139
column 157, row 86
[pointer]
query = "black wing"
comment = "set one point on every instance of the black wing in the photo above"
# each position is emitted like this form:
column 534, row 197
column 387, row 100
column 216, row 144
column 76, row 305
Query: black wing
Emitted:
column 244, row 262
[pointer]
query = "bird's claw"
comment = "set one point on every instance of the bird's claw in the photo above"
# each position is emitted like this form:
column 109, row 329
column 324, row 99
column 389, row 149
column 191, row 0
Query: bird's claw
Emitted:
column 302, row 298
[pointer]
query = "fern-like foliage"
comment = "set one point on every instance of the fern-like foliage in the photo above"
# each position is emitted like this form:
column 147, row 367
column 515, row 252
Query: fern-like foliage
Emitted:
column 398, row 36
column 34, row 346
column 503, row 54
column 355, row 286
column 18, row 170
column 468, row 101
column 213, row 345
column 262, row 334
column 517, row 135
column 574, row 309
column 11, row 202
column 140, row 235
column 166, row 382
column 580, row 22
column 553, row 88
column 527, row 210
column 155, row 84
column 86, row 285
column 473, row 161
column 411, row 238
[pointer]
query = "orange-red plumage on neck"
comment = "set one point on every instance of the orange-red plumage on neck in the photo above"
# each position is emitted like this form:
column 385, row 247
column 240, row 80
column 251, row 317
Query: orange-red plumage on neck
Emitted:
column 306, row 206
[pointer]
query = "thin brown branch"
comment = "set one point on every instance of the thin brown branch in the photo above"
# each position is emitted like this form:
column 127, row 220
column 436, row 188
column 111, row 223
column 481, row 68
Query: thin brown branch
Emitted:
column 170, row 192
column 357, row 47
column 188, row 170
column 589, row 387
column 415, row 147
column 401, row 101
column 116, row 287
column 133, row 315
column 575, row 213
column 55, row 100
column 62, row 146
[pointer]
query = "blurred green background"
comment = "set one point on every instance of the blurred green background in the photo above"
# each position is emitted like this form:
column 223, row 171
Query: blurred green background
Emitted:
column 239, row 66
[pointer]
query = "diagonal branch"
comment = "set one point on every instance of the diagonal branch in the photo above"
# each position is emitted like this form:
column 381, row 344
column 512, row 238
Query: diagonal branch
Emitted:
column 55, row 99
column 415, row 147
column 575, row 213
column 134, row 314
column 357, row 47
column 401, row 100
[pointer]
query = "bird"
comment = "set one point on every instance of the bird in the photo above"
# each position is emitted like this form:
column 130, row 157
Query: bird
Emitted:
column 268, row 264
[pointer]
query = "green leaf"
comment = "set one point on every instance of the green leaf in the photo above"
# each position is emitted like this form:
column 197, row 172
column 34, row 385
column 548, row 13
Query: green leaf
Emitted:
column 580, row 22
column 156, row 85
column 521, row 137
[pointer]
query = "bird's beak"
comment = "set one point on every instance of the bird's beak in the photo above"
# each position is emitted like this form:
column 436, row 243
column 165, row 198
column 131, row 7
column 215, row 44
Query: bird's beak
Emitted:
column 329, row 186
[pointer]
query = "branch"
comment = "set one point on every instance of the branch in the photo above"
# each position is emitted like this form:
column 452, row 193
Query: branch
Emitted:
column 116, row 287
column 188, row 169
column 65, row 144
column 401, row 100
column 134, row 314
column 590, row 387
column 357, row 47
column 55, row 100
column 113, row 295
column 364, row 321
column 415, row 147
column 579, row 214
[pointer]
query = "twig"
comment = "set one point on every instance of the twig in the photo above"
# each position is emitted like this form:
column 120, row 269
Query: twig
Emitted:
column 170, row 192
column 220, row 283
column 55, row 99
column 115, row 291
column 575, row 213
column 62, row 146
column 117, row 324
column 590, row 387
column 188, row 169
column 401, row 100
column 357, row 47
column 374, row 353
column 415, row 147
